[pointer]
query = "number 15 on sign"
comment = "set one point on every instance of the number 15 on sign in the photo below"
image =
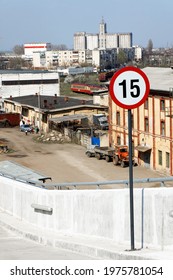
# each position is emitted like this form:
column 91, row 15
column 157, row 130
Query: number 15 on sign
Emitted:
column 129, row 87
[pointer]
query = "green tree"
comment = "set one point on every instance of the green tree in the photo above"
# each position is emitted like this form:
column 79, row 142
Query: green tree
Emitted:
column 150, row 46
column 121, row 57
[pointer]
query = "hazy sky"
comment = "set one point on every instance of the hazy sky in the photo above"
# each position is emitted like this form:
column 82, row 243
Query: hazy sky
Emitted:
column 56, row 21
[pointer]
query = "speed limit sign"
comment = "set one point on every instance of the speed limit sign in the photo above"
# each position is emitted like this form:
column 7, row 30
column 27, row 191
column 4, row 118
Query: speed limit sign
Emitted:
column 129, row 87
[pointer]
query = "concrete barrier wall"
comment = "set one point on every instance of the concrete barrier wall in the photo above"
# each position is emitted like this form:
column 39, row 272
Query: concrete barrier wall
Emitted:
column 101, row 213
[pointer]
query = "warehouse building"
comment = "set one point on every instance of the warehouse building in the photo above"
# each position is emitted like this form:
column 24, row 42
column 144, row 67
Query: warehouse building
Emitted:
column 21, row 83
column 38, row 110
column 102, row 40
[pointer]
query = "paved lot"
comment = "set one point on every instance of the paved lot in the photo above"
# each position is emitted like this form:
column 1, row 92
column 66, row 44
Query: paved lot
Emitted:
column 65, row 162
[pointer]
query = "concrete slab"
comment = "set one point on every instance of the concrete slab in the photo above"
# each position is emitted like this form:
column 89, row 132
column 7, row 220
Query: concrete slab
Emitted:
column 86, row 247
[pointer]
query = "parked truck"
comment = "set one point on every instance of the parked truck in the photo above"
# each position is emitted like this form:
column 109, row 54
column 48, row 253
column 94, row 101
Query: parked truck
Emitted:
column 121, row 156
column 118, row 155
column 100, row 121
column 9, row 119
column 100, row 152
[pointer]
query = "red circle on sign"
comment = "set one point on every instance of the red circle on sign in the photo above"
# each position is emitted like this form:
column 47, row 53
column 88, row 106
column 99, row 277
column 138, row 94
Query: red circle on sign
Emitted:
column 137, row 72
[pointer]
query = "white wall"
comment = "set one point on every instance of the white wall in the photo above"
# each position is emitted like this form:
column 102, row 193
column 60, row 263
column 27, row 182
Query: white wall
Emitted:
column 101, row 213
column 111, row 41
column 21, row 90
column 92, row 41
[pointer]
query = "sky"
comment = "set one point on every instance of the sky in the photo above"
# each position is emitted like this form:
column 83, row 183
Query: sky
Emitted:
column 56, row 21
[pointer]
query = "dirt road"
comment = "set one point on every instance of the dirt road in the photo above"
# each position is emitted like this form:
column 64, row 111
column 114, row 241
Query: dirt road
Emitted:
column 63, row 162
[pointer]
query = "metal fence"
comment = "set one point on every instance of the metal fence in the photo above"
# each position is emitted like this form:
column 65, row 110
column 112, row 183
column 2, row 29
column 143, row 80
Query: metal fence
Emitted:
column 96, row 185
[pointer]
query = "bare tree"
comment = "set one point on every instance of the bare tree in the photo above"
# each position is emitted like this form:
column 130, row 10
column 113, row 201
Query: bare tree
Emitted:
column 60, row 47
column 17, row 63
column 18, row 49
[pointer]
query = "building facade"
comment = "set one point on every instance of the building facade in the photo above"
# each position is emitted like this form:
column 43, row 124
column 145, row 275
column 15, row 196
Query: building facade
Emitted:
column 92, row 41
column 138, row 53
column 152, row 136
column 29, row 49
column 71, row 57
column 104, row 58
column 80, row 41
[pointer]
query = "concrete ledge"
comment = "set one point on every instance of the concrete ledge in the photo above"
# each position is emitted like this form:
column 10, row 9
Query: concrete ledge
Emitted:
column 94, row 247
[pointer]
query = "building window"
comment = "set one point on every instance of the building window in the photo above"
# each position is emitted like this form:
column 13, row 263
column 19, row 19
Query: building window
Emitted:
column 29, row 82
column 146, row 125
column 25, row 112
column 160, row 157
column 146, row 104
column 118, row 118
column 162, row 105
column 162, row 128
column 118, row 140
column 167, row 160
column 44, row 118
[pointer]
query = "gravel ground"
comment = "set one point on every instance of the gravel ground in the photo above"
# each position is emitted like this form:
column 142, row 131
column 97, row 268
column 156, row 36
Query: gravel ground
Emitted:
column 65, row 162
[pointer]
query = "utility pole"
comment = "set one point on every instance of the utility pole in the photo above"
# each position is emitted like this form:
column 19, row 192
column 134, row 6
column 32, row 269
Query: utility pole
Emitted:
column 39, row 108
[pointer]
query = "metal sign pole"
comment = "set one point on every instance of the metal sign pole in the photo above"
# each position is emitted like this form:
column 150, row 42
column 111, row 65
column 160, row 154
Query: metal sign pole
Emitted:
column 129, row 88
column 131, row 181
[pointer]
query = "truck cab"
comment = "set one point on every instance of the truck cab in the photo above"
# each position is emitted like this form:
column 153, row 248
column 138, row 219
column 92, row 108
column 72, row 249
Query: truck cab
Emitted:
column 121, row 155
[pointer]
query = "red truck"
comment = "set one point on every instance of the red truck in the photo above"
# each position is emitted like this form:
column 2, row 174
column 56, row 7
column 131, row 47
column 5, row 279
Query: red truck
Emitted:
column 119, row 155
column 9, row 119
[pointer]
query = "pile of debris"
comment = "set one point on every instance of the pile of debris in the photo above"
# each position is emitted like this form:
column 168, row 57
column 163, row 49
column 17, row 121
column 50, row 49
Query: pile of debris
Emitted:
column 3, row 147
column 53, row 137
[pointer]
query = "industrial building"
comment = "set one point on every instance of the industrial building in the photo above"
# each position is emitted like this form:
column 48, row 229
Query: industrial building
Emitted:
column 21, row 83
column 103, row 40
column 38, row 110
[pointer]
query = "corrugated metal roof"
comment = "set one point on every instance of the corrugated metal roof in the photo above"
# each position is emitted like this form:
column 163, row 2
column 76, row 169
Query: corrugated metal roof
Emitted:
column 159, row 78
column 20, row 172
column 26, row 71
column 68, row 118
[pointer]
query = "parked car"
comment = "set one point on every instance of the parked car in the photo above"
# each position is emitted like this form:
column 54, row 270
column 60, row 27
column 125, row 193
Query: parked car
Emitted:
column 26, row 128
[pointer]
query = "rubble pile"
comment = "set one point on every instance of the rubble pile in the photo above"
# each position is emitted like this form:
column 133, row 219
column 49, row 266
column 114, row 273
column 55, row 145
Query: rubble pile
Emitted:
column 3, row 147
column 53, row 137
